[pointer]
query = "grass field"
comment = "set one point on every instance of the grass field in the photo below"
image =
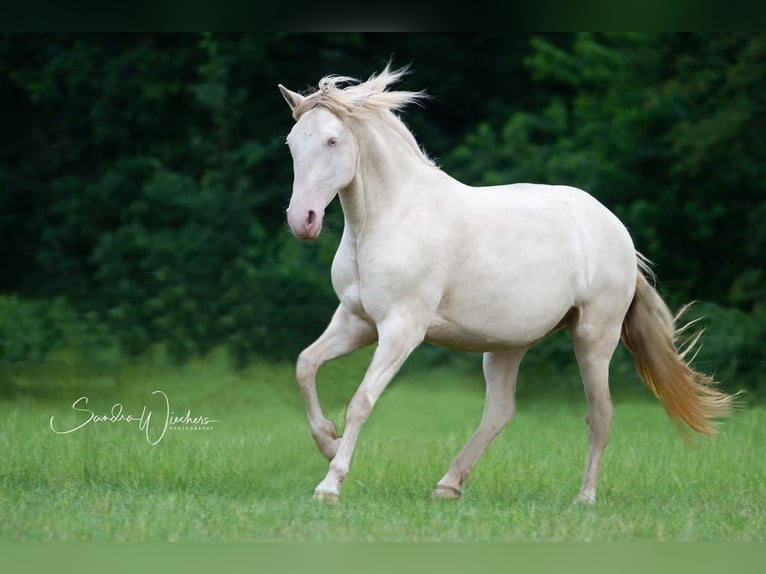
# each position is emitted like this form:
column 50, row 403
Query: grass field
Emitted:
column 249, row 476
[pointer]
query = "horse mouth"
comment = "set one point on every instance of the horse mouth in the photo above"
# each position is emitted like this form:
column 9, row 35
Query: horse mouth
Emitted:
column 305, row 234
column 309, row 237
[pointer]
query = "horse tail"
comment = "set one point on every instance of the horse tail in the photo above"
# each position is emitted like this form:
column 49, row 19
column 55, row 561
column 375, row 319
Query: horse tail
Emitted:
column 649, row 331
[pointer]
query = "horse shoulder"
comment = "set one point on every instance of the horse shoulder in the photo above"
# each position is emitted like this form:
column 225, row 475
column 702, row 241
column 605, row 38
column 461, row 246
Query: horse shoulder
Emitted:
column 401, row 267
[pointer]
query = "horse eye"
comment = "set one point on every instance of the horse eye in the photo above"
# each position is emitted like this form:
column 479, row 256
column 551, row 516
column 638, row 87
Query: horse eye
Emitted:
column 332, row 142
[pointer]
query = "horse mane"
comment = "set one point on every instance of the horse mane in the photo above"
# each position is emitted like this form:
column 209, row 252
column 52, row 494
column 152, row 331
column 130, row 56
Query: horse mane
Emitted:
column 365, row 100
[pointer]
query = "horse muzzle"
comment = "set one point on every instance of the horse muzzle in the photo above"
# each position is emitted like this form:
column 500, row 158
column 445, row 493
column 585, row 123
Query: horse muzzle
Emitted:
column 305, row 223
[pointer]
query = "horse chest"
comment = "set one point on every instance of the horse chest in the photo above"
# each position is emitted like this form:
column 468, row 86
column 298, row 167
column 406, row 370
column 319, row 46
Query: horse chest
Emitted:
column 369, row 281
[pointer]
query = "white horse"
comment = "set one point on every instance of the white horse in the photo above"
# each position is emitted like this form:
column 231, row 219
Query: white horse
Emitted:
column 424, row 257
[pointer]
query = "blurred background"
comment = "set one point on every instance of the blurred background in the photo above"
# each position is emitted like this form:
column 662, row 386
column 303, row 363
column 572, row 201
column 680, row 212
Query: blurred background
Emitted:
column 144, row 177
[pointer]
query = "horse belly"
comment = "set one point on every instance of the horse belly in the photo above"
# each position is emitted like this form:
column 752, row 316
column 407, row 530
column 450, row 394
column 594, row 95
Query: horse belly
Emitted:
column 509, row 303
column 511, row 291
column 485, row 325
column 458, row 337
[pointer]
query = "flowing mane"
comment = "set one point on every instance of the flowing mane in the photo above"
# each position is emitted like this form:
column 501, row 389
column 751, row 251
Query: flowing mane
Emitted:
column 364, row 100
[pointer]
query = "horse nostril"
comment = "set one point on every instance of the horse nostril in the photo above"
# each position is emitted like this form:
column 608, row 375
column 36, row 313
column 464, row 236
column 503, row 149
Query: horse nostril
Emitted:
column 312, row 216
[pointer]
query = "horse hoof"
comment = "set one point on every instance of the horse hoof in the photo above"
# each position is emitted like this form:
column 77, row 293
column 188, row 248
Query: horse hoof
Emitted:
column 326, row 497
column 445, row 492
column 585, row 499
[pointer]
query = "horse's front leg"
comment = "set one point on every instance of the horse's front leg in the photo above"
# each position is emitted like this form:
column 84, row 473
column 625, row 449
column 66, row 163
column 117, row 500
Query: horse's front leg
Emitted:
column 345, row 333
column 397, row 338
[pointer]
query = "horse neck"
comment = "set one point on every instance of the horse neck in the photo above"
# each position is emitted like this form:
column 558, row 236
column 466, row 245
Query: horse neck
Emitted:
column 388, row 169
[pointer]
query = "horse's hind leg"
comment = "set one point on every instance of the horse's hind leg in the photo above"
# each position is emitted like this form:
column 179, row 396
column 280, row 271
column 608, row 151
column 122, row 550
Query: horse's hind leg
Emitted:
column 594, row 346
column 344, row 334
column 500, row 371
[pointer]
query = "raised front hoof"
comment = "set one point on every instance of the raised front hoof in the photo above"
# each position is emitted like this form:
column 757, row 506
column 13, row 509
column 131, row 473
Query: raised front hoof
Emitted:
column 329, row 449
column 330, row 498
column 328, row 440
column 444, row 492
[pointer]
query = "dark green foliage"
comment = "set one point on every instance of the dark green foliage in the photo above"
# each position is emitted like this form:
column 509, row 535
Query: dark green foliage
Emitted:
column 732, row 343
column 667, row 132
column 143, row 178
column 158, row 201
column 28, row 330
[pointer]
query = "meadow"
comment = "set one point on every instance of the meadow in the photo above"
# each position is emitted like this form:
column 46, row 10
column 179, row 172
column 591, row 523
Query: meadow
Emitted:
column 247, row 472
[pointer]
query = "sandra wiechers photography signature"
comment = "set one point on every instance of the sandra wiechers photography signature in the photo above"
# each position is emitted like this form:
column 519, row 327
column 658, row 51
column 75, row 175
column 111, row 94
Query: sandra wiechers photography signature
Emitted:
column 153, row 423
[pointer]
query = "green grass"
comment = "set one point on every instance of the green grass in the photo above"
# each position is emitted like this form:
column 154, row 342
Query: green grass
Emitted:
column 252, row 475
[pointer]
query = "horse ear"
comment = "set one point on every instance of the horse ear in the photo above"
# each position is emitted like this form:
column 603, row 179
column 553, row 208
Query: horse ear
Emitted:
column 292, row 98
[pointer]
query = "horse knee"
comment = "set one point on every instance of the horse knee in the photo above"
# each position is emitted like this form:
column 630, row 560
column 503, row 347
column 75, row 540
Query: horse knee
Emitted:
column 359, row 410
column 305, row 369
column 496, row 421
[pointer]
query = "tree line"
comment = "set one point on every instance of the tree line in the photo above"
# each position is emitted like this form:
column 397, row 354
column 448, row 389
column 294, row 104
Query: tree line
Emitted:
column 143, row 177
